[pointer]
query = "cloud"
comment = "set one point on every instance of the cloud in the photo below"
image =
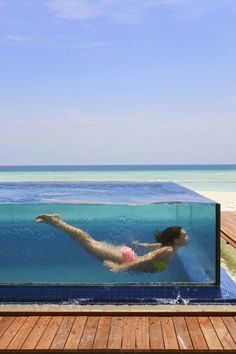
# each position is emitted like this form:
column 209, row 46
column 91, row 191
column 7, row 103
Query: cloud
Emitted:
column 80, row 45
column 76, row 9
column 115, row 10
column 77, row 116
column 56, row 42
column 18, row 39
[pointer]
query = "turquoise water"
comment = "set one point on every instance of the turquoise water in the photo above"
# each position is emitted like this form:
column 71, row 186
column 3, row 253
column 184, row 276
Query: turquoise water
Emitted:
column 196, row 177
column 38, row 253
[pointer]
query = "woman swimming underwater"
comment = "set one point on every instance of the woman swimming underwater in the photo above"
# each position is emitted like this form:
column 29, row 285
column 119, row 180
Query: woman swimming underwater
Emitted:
column 123, row 258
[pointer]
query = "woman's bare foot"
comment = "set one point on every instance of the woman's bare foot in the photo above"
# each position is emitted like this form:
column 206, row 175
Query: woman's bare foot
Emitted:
column 48, row 219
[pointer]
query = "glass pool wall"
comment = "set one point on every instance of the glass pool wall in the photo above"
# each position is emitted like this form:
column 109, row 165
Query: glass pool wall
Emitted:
column 33, row 253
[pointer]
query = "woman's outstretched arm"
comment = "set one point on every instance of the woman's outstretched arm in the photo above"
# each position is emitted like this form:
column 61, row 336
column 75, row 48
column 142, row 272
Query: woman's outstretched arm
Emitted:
column 149, row 246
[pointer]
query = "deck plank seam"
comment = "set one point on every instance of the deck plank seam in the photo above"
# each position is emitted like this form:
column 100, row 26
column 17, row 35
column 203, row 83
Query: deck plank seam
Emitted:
column 188, row 334
column 26, row 335
column 37, row 324
column 176, row 334
column 43, row 330
column 227, row 333
column 13, row 331
column 203, row 334
column 234, row 321
column 109, row 333
column 29, row 332
column 69, row 332
column 215, row 333
column 170, row 325
column 162, row 334
column 56, row 333
column 81, row 337
column 8, row 325
column 14, row 335
column 95, row 332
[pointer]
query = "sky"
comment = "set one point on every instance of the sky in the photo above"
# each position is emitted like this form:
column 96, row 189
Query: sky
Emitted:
column 117, row 82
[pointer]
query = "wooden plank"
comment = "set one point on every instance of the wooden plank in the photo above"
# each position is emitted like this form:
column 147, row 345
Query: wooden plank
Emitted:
column 36, row 333
column 22, row 334
column 129, row 328
column 228, row 216
column 103, row 329
column 230, row 224
column 198, row 340
column 76, row 332
column 169, row 336
column 11, row 331
column 228, row 240
column 230, row 323
column 89, row 333
column 155, row 331
column 60, row 338
column 228, row 230
column 209, row 333
column 224, row 336
column 115, row 335
column 49, row 333
column 182, row 333
column 228, row 227
column 142, row 333
column 5, row 323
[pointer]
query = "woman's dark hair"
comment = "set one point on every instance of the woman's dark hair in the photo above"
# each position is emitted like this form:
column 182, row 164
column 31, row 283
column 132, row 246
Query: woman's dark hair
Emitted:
column 167, row 236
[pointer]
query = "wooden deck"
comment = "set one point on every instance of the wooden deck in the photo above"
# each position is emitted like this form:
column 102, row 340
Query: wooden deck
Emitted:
column 228, row 227
column 121, row 332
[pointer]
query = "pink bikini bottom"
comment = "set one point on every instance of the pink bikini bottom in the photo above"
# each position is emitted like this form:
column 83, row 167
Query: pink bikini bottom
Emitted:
column 128, row 254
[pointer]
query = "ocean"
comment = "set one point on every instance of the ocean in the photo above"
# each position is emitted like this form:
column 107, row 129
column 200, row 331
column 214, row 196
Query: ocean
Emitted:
column 196, row 177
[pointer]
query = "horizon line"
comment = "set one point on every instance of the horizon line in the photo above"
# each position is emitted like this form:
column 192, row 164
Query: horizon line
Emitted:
column 114, row 165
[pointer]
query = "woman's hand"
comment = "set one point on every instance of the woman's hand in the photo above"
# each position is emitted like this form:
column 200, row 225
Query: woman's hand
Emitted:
column 114, row 267
column 136, row 243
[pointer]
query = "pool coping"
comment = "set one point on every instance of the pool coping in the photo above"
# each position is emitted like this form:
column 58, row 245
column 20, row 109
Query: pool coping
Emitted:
column 137, row 295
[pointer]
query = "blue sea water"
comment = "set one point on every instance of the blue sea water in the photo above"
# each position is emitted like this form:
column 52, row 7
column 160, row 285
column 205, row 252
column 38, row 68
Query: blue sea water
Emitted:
column 195, row 177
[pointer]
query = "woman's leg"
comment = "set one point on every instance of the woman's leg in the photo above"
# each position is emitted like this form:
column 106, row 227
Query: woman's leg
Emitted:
column 102, row 250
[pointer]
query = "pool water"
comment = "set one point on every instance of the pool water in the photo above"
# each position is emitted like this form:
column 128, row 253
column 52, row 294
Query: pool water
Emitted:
column 33, row 253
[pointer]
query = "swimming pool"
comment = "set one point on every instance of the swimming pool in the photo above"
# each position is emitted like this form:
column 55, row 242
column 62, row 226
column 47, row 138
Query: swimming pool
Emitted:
column 119, row 213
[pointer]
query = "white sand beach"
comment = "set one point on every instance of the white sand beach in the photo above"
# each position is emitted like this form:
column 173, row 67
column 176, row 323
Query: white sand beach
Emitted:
column 226, row 199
